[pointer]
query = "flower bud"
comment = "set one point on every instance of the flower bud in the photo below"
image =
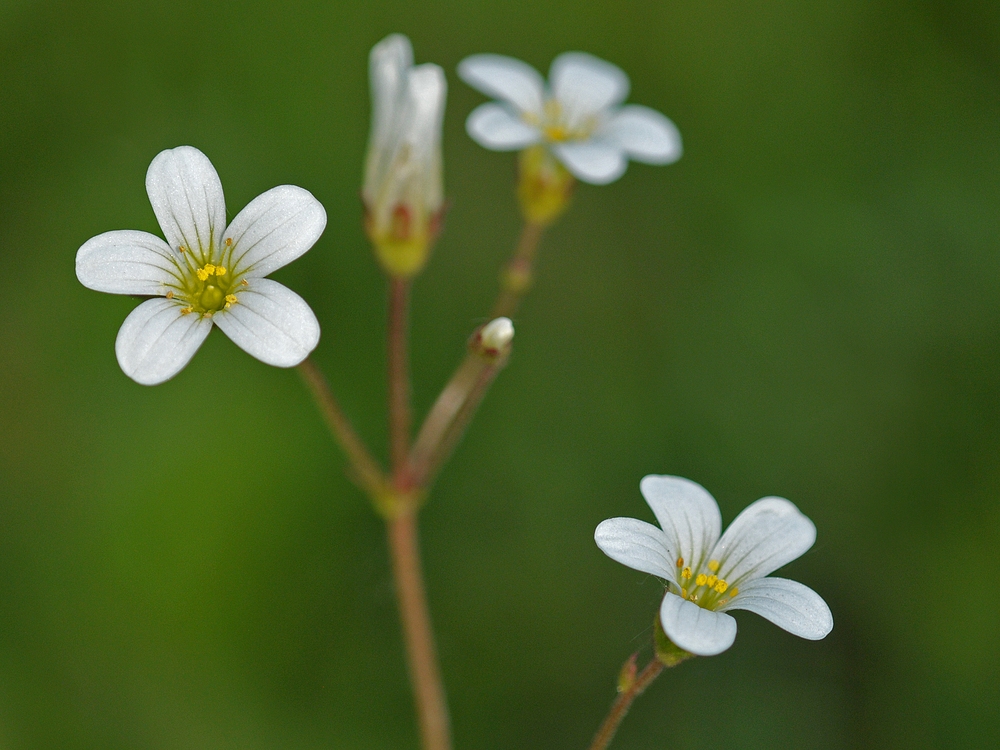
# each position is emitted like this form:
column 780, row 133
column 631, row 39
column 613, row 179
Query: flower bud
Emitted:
column 495, row 336
column 403, row 191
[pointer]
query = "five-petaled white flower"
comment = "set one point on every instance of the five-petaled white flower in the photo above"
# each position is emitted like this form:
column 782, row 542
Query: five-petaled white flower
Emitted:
column 577, row 116
column 706, row 575
column 206, row 273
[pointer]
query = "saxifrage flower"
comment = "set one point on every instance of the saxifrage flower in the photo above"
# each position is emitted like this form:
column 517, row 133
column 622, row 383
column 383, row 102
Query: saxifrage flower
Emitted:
column 707, row 575
column 403, row 189
column 206, row 273
column 577, row 116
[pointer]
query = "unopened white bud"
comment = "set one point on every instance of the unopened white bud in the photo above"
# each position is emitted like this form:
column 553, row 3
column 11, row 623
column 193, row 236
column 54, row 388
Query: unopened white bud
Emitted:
column 497, row 335
column 403, row 190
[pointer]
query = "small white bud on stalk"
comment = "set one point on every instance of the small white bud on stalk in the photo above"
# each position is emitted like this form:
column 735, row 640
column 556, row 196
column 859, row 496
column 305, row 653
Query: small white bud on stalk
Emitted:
column 496, row 336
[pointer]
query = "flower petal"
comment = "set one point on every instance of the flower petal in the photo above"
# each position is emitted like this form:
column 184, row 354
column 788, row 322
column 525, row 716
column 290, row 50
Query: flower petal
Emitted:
column 187, row 199
column 637, row 544
column 689, row 516
column 644, row 134
column 506, row 78
column 156, row 341
column 692, row 628
column 127, row 262
column 274, row 229
column 494, row 126
column 388, row 63
column 271, row 323
column 596, row 163
column 585, row 85
column 766, row 535
column 790, row 605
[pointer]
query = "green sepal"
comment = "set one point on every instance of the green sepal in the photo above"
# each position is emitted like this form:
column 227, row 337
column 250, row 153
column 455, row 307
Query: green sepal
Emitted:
column 667, row 652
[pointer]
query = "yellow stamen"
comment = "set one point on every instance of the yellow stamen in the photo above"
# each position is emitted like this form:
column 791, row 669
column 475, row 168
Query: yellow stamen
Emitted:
column 684, row 593
column 229, row 241
column 220, row 271
column 721, row 586
column 556, row 133
column 187, row 310
column 734, row 592
column 203, row 274
column 713, row 565
column 686, row 573
column 700, row 580
column 680, row 562
column 245, row 282
column 170, row 295
column 231, row 299
column 182, row 248
column 209, row 269
column 710, row 581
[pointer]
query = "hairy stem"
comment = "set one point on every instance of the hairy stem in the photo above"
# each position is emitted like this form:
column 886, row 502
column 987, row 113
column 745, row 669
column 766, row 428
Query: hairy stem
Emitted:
column 399, row 377
column 425, row 675
column 622, row 704
column 519, row 272
column 364, row 469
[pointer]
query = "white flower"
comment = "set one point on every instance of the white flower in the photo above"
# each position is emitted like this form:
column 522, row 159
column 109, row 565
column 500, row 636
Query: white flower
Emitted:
column 206, row 273
column 403, row 189
column 577, row 116
column 707, row 576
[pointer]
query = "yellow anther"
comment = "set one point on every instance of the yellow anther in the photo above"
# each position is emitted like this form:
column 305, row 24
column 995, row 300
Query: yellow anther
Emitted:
column 202, row 274
column 556, row 133
column 710, row 581
column 693, row 598
column 721, row 586
column 684, row 593
column 680, row 562
column 713, row 565
column 229, row 241
column 686, row 573
column 209, row 269
column 170, row 295
column 231, row 299
column 182, row 248
column 208, row 314
column 245, row 282
column 734, row 592
column 220, row 271
column 187, row 310
column 700, row 580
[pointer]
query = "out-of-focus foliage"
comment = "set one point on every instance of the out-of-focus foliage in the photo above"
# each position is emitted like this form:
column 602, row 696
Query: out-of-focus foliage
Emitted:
column 805, row 305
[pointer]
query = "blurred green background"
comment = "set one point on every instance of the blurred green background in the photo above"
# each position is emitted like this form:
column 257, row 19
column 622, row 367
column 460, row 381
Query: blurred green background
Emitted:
column 805, row 305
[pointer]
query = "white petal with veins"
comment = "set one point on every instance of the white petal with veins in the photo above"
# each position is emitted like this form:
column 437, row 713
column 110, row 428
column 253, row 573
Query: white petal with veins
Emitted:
column 637, row 544
column 127, row 261
column 790, row 605
column 187, row 199
column 271, row 323
column 766, row 535
column 274, row 229
column 692, row 628
column 156, row 341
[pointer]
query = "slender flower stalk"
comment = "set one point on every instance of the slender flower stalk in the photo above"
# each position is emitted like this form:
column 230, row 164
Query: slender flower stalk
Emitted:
column 489, row 349
column 519, row 274
column 365, row 470
column 398, row 360
column 623, row 703
column 421, row 653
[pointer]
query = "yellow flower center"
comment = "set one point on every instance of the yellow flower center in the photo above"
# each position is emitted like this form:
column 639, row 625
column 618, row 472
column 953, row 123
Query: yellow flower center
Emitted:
column 557, row 127
column 204, row 285
column 705, row 588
